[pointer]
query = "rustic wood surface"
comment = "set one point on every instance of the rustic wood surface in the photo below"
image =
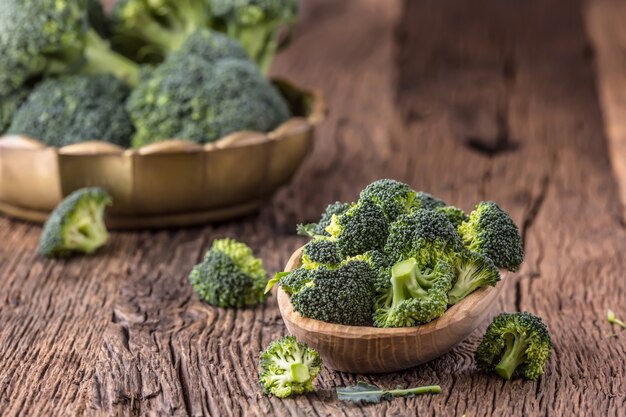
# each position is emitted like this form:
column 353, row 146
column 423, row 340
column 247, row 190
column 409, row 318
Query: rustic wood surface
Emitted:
column 468, row 100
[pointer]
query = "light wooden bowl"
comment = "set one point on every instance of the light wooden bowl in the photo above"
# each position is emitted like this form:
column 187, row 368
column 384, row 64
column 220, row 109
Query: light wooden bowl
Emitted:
column 168, row 183
column 365, row 350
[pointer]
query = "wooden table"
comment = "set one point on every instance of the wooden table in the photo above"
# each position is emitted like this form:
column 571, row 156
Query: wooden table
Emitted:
column 470, row 100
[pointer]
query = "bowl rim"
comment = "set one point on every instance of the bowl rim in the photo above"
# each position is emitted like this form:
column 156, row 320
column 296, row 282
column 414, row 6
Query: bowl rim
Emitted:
column 453, row 315
column 243, row 138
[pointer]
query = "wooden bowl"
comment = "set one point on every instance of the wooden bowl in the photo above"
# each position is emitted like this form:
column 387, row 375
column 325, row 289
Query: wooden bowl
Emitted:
column 168, row 183
column 366, row 350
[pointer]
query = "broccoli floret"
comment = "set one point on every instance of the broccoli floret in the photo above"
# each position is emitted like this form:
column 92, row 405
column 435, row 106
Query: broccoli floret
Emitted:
column 455, row 215
column 425, row 235
column 343, row 295
column 321, row 251
column 379, row 264
column 289, row 367
column 491, row 231
column 212, row 46
column 144, row 28
column 319, row 228
column 71, row 109
column 414, row 295
column 394, row 198
column 230, row 276
column 427, row 201
column 76, row 225
column 210, row 100
column 43, row 37
column 292, row 282
column 256, row 24
column 361, row 228
column 9, row 105
column 515, row 344
column 473, row 271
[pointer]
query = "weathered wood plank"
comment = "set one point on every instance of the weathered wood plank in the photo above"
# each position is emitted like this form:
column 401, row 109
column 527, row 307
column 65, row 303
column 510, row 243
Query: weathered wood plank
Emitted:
column 468, row 100
column 605, row 23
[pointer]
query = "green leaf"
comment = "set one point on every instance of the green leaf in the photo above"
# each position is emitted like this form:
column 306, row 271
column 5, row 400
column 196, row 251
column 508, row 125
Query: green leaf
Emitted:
column 273, row 281
column 307, row 230
column 365, row 392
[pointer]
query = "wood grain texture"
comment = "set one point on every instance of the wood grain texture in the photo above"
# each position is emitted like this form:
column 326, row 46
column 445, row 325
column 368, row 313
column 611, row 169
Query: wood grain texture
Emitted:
column 468, row 100
column 367, row 349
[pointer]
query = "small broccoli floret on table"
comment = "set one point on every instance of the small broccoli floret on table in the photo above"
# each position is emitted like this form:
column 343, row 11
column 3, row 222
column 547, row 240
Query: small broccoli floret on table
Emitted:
column 71, row 109
column 319, row 228
column 361, row 228
column 321, row 252
column 415, row 295
column 473, row 271
column 288, row 368
column 343, row 295
column 455, row 215
column 76, row 225
column 257, row 24
column 230, row 276
column 425, row 235
column 393, row 197
column 210, row 101
column 515, row 344
column 491, row 231
column 427, row 201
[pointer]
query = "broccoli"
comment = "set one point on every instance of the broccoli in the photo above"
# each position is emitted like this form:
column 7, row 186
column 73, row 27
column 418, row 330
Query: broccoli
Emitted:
column 289, row 367
column 43, row 37
column 414, row 295
column 210, row 100
column 9, row 105
column 76, row 224
column 455, row 215
column 379, row 264
column 230, row 276
column 425, row 235
column 70, row 109
column 321, row 251
column 361, row 228
column 394, row 198
column 212, row 46
column 256, row 24
column 343, row 295
column 142, row 28
column 491, row 232
column 427, row 201
column 515, row 344
column 319, row 228
column 472, row 272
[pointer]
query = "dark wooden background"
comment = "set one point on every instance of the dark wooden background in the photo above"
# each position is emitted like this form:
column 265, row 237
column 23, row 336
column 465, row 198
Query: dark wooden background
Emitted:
column 469, row 100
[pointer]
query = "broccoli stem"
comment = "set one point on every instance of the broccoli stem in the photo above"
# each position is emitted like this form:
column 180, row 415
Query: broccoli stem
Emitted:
column 89, row 231
column 101, row 59
column 404, row 281
column 299, row 372
column 464, row 286
column 428, row 389
column 513, row 356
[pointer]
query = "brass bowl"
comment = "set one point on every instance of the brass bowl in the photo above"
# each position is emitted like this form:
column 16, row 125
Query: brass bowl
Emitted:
column 365, row 350
column 169, row 183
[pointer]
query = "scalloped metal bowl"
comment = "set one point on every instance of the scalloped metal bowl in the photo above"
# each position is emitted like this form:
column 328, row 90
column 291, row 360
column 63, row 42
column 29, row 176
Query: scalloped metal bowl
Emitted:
column 364, row 350
column 169, row 183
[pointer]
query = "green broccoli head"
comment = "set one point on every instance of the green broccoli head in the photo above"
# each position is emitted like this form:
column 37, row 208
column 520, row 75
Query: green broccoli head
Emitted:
column 515, row 344
column 425, row 235
column 71, row 109
column 76, row 225
column 289, row 367
column 256, row 24
column 414, row 295
column 210, row 100
column 361, row 228
column 343, row 295
column 321, row 251
column 319, row 228
column 9, row 105
column 455, row 215
column 473, row 271
column 230, row 276
column 379, row 264
column 491, row 231
column 212, row 46
column 427, row 201
column 393, row 197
